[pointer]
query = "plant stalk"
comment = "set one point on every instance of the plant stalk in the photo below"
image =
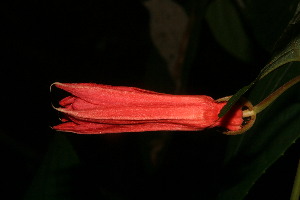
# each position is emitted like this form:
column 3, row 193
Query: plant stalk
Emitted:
column 296, row 187
column 272, row 97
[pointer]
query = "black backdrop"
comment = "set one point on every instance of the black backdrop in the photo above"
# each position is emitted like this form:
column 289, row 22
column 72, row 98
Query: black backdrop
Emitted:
column 106, row 42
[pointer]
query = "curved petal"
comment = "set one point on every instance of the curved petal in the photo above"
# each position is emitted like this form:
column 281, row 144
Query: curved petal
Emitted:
column 106, row 95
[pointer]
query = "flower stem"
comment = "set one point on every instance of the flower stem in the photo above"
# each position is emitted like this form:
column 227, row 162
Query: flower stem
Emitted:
column 296, row 187
column 272, row 97
column 248, row 113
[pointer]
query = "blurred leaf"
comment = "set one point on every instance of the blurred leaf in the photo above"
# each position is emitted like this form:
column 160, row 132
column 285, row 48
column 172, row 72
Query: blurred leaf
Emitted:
column 166, row 37
column 288, row 51
column 196, row 11
column 174, row 24
column 276, row 128
column 267, row 19
column 54, row 178
column 226, row 26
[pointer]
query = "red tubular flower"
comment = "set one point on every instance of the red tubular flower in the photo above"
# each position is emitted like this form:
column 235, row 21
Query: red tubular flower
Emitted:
column 98, row 109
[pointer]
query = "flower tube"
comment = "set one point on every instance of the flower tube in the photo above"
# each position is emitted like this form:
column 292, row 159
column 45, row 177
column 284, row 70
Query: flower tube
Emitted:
column 99, row 109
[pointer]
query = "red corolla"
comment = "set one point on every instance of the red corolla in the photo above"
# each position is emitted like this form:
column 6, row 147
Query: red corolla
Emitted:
column 99, row 109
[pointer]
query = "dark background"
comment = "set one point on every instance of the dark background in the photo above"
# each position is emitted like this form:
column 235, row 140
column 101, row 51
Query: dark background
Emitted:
column 108, row 42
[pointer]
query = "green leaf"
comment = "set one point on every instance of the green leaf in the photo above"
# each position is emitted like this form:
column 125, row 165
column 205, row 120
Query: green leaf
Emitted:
column 249, row 155
column 227, row 28
column 257, row 159
column 53, row 180
column 289, row 52
column 234, row 99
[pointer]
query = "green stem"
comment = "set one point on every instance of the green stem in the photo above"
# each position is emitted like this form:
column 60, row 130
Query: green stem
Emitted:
column 296, row 187
column 272, row 97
